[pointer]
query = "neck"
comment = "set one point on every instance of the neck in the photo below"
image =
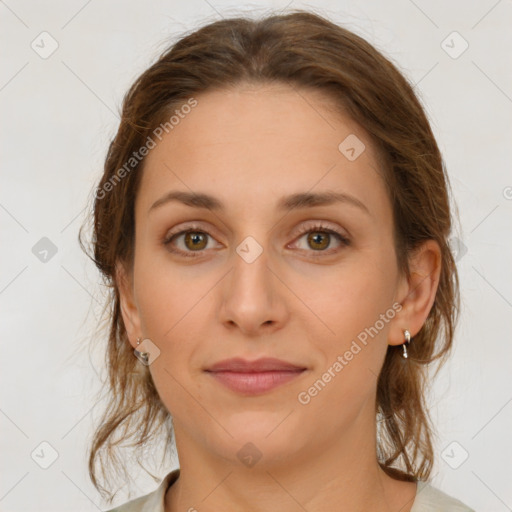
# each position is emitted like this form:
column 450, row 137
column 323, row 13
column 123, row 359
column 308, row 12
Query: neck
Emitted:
column 320, row 477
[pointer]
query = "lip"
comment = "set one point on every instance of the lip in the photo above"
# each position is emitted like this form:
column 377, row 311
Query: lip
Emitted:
column 254, row 377
column 254, row 383
column 264, row 364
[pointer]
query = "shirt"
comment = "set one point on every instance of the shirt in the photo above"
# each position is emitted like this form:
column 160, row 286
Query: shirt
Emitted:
column 428, row 499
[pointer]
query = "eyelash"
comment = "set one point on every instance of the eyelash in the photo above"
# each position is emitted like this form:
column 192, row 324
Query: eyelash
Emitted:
column 319, row 227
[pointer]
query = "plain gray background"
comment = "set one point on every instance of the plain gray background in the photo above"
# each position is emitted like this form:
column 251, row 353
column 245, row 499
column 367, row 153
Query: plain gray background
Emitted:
column 59, row 113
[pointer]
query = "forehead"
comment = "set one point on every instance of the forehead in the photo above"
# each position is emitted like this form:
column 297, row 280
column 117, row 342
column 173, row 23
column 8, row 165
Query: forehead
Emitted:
column 250, row 144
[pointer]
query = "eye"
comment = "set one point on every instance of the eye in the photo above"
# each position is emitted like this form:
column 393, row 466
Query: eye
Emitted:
column 319, row 238
column 194, row 240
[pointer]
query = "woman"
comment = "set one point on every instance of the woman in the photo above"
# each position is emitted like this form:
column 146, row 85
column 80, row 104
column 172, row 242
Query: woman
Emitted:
column 273, row 221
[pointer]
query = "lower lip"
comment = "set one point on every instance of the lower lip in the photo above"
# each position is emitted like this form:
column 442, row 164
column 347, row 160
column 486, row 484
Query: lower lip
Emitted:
column 255, row 383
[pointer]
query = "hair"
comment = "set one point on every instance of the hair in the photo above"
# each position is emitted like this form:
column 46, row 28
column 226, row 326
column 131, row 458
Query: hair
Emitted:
column 305, row 51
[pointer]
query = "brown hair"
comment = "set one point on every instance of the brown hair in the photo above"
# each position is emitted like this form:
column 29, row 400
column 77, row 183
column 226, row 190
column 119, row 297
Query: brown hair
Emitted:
column 303, row 50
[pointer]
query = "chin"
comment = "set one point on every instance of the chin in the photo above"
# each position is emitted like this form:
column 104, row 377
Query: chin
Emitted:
column 274, row 435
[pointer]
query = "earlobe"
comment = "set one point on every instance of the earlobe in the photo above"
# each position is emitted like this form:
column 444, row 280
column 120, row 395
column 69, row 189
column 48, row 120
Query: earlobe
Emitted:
column 419, row 293
column 129, row 311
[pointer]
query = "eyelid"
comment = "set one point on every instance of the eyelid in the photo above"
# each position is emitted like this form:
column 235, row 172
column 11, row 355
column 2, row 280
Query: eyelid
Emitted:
column 187, row 226
column 309, row 224
column 320, row 225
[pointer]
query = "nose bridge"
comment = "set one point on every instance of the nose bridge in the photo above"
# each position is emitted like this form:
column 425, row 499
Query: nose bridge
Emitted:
column 251, row 297
column 250, row 276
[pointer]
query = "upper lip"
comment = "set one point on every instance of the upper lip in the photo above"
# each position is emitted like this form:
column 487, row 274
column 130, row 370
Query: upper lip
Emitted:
column 264, row 364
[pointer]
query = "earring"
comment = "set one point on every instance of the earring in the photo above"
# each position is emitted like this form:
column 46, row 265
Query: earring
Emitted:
column 142, row 356
column 407, row 335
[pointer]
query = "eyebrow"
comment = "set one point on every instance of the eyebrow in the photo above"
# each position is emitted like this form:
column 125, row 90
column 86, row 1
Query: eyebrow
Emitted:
column 298, row 200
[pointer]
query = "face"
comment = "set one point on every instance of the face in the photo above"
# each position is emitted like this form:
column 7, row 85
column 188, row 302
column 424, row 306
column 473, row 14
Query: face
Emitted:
column 315, row 285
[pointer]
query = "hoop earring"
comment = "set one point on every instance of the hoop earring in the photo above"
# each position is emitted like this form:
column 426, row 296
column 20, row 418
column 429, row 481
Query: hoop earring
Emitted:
column 142, row 356
column 407, row 335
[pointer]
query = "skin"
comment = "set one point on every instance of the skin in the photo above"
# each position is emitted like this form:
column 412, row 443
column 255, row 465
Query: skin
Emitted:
column 249, row 147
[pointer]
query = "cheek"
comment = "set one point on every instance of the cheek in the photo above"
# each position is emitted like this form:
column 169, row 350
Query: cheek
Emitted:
column 354, row 309
column 169, row 308
column 351, row 297
column 173, row 307
column 164, row 295
column 353, row 348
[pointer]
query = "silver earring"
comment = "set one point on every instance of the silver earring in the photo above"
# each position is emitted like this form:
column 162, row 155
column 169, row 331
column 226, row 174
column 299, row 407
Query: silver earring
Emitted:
column 142, row 356
column 407, row 336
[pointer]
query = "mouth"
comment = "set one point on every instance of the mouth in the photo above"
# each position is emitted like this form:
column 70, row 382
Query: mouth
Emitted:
column 253, row 378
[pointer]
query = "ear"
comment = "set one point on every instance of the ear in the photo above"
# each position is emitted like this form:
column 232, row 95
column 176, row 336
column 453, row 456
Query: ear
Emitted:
column 129, row 310
column 417, row 293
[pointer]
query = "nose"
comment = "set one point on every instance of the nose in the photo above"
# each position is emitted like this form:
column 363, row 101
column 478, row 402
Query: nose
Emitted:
column 253, row 296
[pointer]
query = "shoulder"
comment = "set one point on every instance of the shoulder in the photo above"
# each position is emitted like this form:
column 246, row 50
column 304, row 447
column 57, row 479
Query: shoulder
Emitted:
column 152, row 502
column 431, row 499
column 136, row 505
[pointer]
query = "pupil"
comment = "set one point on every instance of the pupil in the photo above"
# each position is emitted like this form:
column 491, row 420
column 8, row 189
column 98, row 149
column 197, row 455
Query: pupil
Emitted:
column 195, row 238
column 315, row 240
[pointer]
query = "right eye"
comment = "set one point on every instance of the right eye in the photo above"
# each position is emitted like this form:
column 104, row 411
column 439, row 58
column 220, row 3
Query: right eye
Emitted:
column 194, row 240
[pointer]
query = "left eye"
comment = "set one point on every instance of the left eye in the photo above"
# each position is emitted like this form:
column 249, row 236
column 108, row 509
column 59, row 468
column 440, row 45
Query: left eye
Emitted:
column 319, row 238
